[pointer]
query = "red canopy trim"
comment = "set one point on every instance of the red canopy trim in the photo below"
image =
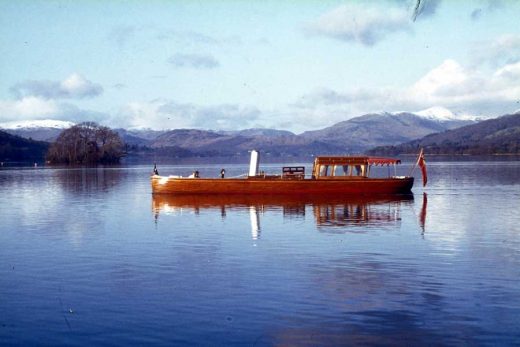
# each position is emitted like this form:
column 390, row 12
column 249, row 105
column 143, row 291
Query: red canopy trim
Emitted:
column 351, row 160
column 340, row 160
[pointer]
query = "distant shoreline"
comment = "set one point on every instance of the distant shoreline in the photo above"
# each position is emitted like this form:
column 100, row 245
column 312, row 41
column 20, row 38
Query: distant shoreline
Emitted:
column 408, row 157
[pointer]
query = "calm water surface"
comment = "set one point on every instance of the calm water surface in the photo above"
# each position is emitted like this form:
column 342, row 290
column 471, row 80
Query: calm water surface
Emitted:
column 89, row 257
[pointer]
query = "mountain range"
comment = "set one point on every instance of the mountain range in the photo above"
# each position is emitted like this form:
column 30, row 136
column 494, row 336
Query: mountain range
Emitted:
column 493, row 136
column 40, row 130
column 16, row 148
column 437, row 130
column 355, row 135
column 361, row 133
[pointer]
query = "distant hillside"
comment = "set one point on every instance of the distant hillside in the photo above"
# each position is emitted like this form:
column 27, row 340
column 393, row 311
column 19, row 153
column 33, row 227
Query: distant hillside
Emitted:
column 352, row 136
column 131, row 139
column 258, row 132
column 16, row 148
column 38, row 134
column 494, row 136
column 371, row 130
column 147, row 134
column 41, row 130
column 209, row 143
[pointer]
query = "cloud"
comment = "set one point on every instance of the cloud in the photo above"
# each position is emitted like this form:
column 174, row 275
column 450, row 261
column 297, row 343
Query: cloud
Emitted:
column 448, row 79
column 504, row 49
column 507, row 74
column 488, row 6
column 368, row 23
column 329, row 97
column 160, row 114
column 33, row 108
column 451, row 85
column 196, row 61
column 363, row 23
column 73, row 87
column 27, row 107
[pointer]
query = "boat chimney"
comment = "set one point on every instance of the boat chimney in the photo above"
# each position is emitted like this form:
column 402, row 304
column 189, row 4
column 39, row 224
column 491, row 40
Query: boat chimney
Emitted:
column 253, row 166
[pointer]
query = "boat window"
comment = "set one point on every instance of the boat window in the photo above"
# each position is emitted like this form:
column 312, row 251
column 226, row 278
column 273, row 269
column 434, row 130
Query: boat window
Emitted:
column 380, row 171
column 332, row 170
column 359, row 170
column 324, row 169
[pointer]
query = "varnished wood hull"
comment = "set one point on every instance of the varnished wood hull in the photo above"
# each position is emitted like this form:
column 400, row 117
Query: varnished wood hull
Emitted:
column 361, row 186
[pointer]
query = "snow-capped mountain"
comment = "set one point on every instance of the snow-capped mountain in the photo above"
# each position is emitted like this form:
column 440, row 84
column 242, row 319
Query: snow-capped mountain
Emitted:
column 32, row 124
column 436, row 113
column 41, row 130
column 443, row 114
column 386, row 128
column 353, row 135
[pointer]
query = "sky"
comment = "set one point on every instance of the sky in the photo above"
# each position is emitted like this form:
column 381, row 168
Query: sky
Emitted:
column 230, row 65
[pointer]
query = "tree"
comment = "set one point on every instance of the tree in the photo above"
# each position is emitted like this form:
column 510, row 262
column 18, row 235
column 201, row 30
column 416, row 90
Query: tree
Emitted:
column 86, row 143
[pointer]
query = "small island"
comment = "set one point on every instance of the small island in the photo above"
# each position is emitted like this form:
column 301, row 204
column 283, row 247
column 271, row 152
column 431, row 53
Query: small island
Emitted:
column 86, row 143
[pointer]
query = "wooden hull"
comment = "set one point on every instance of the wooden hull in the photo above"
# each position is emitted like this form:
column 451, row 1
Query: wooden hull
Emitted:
column 274, row 186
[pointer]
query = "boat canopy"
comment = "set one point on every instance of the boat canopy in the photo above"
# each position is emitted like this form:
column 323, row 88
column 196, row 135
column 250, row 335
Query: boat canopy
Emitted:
column 348, row 166
column 355, row 161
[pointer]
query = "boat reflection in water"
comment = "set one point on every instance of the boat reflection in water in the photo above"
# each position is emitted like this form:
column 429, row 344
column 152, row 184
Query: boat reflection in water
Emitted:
column 336, row 215
column 358, row 215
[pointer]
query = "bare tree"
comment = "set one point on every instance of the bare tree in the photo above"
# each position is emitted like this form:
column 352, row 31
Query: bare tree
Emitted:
column 86, row 143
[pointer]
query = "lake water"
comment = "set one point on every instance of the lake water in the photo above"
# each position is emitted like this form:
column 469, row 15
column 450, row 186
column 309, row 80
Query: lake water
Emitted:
column 89, row 257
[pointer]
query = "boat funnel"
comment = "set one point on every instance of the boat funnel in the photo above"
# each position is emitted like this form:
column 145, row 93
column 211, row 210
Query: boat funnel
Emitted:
column 253, row 166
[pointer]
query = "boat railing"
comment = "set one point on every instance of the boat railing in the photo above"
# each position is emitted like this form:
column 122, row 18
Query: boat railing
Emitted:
column 239, row 176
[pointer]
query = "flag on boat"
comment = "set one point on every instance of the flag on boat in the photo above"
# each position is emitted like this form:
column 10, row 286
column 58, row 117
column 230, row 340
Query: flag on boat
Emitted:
column 422, row 164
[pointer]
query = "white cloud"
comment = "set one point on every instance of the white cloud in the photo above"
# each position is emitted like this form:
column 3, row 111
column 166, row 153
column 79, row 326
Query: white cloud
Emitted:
column 504, row 49
column 466, row 91
column 34, row 108
column 27, row 107
column 77, row 86
column 452, row 85
column 449, row 79
column 73, row 87
column 168, row 114
column 509, row 73
column 360, row 22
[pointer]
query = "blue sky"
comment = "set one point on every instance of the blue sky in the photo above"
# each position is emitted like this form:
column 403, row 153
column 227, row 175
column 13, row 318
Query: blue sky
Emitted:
column 293, row 65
